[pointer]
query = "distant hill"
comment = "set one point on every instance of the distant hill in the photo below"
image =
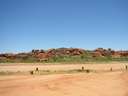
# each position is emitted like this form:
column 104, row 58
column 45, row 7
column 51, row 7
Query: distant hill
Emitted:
column 66, row 55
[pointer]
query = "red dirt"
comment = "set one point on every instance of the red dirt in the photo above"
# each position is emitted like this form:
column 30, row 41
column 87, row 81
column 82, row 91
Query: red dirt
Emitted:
column 92, row 84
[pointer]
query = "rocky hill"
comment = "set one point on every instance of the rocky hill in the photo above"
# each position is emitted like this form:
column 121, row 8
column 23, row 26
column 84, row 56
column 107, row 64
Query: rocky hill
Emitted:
column 63, row 54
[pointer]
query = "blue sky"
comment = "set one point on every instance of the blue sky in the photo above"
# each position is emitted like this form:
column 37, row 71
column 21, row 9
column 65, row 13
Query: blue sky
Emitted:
column 44, row 24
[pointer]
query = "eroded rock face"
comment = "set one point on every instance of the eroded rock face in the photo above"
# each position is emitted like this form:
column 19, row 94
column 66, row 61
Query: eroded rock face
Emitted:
column 8, row 56
column 96, row 54
column 118, row 54
column 100, row 52
column 44, row 55
column 124, row 53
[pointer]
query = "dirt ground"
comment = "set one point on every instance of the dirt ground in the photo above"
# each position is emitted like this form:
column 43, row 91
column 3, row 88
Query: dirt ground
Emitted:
column 78, row 84
column 28, row 67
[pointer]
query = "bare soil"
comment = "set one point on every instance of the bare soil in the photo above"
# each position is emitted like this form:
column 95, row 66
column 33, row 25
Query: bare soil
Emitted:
column 27, row 67
column 78, row 84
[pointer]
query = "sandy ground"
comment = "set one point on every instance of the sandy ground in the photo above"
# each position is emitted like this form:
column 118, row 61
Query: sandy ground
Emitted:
column 28, row 67
column 92, row 84
column 78, row 84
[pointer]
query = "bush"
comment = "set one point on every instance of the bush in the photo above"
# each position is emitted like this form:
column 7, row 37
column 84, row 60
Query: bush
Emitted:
column 31, row 72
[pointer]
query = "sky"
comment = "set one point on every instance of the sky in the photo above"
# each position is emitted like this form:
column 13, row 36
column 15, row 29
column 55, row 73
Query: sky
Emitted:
column 44, row 24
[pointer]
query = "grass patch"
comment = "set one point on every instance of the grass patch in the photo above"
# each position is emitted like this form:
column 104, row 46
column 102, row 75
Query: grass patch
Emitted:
column 45, row 72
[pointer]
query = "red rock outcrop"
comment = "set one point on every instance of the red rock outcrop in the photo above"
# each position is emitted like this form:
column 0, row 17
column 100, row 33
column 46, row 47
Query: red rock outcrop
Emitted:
column 44, row 55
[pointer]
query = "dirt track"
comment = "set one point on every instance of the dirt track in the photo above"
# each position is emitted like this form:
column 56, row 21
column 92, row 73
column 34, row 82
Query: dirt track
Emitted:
column 82, row 84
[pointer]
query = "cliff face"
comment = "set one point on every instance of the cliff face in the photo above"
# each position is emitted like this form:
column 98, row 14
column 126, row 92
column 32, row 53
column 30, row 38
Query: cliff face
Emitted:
column 45, row 55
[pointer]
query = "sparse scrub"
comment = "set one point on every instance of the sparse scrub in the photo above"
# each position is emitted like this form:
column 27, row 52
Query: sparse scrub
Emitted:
column 126, row 67
column 111, row 69
column 82, row 68
column 37, row 69
column 66, row 55
column 87, row 70
column 31, row 72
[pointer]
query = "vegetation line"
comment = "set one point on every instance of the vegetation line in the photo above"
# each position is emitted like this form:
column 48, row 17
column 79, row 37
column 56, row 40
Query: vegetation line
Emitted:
column 66, row 55
column 48, row 72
